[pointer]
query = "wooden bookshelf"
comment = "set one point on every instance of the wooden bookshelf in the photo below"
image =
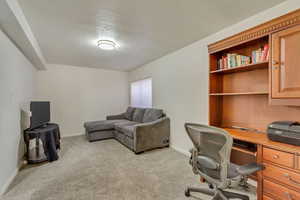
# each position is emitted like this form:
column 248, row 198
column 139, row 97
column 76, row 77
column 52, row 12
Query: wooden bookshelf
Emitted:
column 240, row 96
column 260, row 65
column 255, row 95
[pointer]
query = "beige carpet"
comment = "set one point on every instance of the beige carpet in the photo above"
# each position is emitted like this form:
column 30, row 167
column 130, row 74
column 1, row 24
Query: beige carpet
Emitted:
column 106, row 170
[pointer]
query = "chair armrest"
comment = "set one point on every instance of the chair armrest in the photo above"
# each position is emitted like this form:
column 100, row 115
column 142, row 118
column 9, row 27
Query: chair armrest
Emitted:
column 207, row 162
column 113, row 117
column 152, row 134
column 249, row 169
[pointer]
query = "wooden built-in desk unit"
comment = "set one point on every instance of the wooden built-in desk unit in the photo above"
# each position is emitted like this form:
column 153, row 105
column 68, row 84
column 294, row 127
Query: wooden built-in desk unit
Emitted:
column 281, row 177
column 254, row 94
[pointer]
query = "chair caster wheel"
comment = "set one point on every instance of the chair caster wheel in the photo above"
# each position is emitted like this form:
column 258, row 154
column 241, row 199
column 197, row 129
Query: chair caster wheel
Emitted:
column 187, row 193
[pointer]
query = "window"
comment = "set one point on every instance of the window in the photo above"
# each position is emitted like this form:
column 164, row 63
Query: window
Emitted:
column 141, row 93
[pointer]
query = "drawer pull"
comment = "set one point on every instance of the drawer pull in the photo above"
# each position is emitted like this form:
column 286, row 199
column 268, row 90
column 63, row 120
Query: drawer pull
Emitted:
column 275, row 156
column 288, row 195
column 291, row 180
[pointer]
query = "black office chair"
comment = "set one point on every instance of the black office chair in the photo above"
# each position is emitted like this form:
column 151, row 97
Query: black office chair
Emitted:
column 210, row 158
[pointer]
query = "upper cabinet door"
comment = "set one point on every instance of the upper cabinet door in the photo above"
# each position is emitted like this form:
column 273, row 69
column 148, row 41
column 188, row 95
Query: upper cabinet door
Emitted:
column 286, row 63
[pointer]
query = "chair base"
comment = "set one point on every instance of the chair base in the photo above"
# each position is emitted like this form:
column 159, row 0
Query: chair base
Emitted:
column 217, row 194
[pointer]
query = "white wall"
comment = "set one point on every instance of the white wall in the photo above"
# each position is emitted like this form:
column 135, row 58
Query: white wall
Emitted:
column 79, row 94
column 180, row 79
column 17, row 87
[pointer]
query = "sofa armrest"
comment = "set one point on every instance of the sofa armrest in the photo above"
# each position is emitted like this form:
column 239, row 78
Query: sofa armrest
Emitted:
column 113, row 117
column 152, row 135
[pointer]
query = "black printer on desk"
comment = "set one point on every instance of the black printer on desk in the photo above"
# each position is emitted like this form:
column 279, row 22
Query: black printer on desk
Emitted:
column 285, row 132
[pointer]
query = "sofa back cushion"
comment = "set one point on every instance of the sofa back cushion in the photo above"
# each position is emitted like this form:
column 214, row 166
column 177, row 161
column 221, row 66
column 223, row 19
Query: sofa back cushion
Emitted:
column 129, row 113
column 152, row 114
column 138, row 115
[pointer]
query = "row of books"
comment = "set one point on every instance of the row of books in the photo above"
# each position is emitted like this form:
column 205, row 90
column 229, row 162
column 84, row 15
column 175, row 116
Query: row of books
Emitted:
column 235, row 60
column 261, row 55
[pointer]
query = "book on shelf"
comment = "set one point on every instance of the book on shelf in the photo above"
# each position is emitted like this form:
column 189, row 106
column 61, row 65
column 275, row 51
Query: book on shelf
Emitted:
column 261, row 54
column 232, row 60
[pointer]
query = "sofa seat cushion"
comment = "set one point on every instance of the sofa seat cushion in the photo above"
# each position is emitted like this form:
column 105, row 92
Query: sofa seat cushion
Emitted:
column 138, row 115
column 102, row 125
column 127, row 128
column 125, row 140
column 152, row 114
column 129, row 113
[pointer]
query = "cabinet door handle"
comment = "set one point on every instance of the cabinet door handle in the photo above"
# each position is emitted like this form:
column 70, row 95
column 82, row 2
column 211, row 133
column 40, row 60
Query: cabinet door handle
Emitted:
column 275, row 157
column 291, row 179
column 274, row 62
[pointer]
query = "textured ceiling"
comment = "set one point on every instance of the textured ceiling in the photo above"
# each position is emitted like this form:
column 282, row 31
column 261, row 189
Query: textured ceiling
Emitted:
column 67, row 30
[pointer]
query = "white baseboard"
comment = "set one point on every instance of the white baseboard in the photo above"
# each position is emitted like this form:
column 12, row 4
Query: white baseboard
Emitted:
column 187, row 153
column 8, row 182
column 72, row 135
column 252, row 182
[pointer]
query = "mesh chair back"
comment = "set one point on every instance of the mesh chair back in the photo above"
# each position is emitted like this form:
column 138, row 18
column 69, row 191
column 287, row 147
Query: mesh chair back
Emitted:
column 214, row 143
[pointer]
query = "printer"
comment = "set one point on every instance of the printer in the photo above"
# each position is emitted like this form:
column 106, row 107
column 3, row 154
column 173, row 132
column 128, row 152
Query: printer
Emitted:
column 285, row 132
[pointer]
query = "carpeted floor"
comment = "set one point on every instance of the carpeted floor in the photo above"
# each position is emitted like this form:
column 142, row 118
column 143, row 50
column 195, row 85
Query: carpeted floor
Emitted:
column 106, row 170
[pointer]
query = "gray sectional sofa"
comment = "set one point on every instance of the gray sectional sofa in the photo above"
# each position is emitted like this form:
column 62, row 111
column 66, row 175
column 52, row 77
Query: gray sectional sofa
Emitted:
column 138, row 129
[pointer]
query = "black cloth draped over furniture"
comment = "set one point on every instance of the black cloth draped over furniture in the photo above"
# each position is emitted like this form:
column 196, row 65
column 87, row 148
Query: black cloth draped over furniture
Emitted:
column 51, row 141
column 50, row 137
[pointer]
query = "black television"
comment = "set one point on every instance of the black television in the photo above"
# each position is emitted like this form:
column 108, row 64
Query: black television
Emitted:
column 40, row 113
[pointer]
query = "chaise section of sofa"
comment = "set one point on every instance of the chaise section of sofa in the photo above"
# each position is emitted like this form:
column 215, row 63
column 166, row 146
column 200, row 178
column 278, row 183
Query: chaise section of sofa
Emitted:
column 99, row 130
column 138, row 129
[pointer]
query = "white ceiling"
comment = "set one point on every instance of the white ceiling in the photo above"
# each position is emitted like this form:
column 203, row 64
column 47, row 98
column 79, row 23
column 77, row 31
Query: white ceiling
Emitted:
column 67, row 30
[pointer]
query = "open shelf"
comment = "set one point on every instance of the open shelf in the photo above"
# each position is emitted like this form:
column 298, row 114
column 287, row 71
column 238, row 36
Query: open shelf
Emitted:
column 239, row 93
column 244, row 150
column 249, row 67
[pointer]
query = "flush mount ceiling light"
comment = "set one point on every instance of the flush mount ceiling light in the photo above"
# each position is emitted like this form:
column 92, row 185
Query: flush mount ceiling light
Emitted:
column 106, row 44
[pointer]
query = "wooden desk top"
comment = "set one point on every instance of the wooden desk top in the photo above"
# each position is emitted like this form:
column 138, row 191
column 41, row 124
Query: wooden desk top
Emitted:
column 262, row 139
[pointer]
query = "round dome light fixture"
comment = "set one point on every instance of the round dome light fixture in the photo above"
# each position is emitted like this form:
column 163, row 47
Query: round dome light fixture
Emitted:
column 106, row 44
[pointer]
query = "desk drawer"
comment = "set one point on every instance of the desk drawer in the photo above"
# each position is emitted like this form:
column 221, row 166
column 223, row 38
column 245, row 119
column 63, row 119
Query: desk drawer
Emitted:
column 279, row 191
column 278, row 157
column 282, row 175
column 267, row 198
